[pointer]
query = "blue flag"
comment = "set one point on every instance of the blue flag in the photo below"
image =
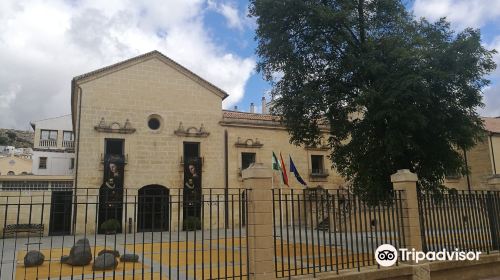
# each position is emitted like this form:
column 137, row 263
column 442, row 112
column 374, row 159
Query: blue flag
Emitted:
column 296, row 172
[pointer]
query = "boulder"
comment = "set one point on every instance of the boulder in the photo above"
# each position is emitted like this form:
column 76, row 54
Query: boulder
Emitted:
column 105, row 261
column 129, row 258
column 80, row 254
column 33, row 258
column 113, row 252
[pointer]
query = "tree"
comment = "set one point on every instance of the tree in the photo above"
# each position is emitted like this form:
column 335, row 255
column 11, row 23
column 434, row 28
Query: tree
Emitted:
column 395, row 91
column 4, row 140
column 12, row 135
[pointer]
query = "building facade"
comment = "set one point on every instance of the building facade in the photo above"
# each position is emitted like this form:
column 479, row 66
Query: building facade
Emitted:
column 15, row 165
column 147, row 129
column 162, row 127
column 483, row 160
column 53, row 146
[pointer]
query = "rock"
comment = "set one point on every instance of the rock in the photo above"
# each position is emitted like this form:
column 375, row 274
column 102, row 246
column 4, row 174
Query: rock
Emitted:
column 33, row 258
column 113, row 252
column 105, row 261
column 64, row 259
column 80, row 254
column 129, row 258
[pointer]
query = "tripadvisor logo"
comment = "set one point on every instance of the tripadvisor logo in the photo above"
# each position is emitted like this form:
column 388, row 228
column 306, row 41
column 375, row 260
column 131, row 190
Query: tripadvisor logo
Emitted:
column 387, row 255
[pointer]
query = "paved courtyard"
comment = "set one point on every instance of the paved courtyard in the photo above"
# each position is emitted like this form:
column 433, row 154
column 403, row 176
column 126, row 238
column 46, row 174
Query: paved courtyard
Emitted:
column 185, row 255
column 161, row 256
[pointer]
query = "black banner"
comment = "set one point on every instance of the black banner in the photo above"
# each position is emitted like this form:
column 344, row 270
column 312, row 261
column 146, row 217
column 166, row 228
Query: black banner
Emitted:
column 192, row 193
column 111, row 194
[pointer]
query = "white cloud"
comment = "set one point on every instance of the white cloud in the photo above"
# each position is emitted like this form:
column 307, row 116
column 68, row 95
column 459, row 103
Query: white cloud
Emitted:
column 43, row 44
column 235, row 19
column 491, row 94
column 8, row 96
column 470, row 13
column 461, row 13
column 491, row 97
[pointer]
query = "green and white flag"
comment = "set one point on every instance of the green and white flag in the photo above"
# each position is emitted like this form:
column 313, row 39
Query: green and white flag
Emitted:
column 276, row 165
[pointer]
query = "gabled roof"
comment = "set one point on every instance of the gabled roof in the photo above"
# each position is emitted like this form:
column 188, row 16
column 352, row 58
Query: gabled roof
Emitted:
column 150, row 55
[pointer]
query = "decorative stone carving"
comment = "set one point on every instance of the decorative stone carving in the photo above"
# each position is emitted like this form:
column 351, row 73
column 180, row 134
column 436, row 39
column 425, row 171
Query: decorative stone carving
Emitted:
column 191, row 131
column 323, row 146
column 114, row 127
column 249, row 143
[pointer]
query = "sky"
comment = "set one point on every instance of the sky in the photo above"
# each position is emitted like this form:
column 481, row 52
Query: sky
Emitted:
column 45, row 43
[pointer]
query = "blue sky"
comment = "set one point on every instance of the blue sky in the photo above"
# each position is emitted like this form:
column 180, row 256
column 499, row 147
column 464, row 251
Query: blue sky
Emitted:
column 44, row 43
column 479, row 17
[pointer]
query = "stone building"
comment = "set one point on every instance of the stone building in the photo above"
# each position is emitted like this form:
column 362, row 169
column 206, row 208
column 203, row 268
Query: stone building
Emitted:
column 149, row 131
column 163, row 128
column 14, row 165
column 483, row 160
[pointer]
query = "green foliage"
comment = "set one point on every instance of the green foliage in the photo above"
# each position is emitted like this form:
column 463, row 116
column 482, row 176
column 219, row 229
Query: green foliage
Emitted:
column 4, row 140
column 12, row 135
column 192, row 223
column 111, row 226
column 395, row 92
column 16, row 138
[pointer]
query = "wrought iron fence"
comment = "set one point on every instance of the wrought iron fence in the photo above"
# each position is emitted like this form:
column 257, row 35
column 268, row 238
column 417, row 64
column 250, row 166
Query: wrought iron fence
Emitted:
column 318, row 230
column 463, row 220
column 153, row 233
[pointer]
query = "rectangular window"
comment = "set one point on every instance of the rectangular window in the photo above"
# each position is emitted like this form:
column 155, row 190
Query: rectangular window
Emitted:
column 48, row 135
column 452, row 176
column 317, row 166
column 114, row 146
column 43, row 163
column 68, row 136
column 72, row 163
column 247, row 159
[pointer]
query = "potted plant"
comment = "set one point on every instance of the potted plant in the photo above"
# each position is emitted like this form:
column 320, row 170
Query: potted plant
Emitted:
column 192, row 223
column 111, row 226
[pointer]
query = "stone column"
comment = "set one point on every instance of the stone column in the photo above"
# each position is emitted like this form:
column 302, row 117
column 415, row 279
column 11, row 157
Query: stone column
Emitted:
column 257, row 178
column 406, row 181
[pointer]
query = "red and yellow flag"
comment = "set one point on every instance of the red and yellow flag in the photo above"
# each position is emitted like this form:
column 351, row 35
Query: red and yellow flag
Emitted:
column 283, row 170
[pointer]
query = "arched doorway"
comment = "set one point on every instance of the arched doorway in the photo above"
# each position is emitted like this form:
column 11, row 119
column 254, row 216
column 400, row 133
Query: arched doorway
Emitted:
column 153, row 208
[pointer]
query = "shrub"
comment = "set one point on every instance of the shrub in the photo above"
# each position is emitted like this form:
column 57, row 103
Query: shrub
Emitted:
column 111, row 226
column 192, row 223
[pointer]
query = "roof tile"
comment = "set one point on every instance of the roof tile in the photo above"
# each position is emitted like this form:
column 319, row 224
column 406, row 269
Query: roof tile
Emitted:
column 249, row 116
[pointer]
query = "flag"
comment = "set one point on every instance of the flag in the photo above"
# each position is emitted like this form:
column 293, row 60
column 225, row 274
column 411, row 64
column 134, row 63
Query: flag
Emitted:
column 283, row 171
column 276, row 165
column 296, row 172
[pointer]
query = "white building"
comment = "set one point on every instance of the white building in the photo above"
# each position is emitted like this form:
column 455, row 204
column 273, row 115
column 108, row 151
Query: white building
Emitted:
column 53, row 146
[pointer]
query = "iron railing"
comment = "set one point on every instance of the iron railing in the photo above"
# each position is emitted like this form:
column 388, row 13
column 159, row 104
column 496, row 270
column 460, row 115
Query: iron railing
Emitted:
column 330, row 230
column 463, row 220
column 174, row 236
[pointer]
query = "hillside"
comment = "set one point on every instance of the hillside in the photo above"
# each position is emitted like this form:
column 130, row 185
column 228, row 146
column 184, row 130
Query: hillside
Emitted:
column 16, row 138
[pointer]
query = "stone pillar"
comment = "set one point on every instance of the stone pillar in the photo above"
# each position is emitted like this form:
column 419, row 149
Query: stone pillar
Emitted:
column 406, row 181
column 494, row 183
column 257, row 178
